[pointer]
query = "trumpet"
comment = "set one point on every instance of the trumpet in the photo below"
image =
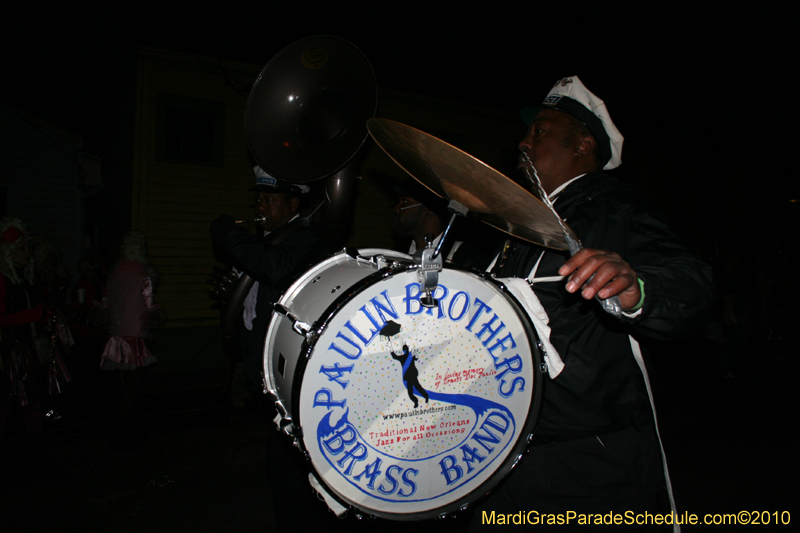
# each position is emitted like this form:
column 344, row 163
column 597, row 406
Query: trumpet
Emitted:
column 257, row 220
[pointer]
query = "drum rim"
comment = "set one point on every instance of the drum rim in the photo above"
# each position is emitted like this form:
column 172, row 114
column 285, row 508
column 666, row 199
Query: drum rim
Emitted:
column 518, row 449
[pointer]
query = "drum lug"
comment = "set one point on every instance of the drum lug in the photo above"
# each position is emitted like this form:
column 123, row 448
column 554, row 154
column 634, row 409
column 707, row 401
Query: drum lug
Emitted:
column 333, row 504
column 517, row 459
column 283, row 420
column 380, row 261
column 298, row 326
column 311, row 338
column 297, row 442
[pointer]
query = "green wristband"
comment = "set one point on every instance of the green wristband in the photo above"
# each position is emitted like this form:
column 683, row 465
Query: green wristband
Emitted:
column 641, row 300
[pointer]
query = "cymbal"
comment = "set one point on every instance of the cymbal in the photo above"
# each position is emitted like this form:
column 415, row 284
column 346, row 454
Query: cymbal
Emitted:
column 454, row 174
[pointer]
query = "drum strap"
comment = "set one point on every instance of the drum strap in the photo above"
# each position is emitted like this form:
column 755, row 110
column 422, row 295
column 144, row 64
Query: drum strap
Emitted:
column 523, row 292
column 637, row 354
column 454, row 249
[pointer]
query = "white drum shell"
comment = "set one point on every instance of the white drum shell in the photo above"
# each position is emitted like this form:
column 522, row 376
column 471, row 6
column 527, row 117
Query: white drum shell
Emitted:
column 307, row 298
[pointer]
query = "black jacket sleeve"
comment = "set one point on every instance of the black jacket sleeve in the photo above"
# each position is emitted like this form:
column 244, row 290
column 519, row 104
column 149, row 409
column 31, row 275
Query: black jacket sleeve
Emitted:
column 679, row 287
column 275, row 265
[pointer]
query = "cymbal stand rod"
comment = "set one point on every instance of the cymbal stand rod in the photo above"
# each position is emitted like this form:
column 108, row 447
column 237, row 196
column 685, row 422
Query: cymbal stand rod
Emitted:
column 458, row 209
column 308, row 217
column 574, row 244
column 609, row 305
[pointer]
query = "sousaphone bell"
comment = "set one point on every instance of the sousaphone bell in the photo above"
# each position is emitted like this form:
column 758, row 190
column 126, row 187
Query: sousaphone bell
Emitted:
column 305, row 120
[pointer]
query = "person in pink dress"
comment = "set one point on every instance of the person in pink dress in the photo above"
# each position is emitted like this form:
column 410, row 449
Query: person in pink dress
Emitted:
column 132, row 313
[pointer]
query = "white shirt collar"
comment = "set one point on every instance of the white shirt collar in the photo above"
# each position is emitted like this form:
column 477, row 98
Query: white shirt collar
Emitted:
column 563, row 186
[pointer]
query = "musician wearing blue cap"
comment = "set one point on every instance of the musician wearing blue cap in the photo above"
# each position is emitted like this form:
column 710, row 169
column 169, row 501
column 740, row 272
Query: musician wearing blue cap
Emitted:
column 596, row 449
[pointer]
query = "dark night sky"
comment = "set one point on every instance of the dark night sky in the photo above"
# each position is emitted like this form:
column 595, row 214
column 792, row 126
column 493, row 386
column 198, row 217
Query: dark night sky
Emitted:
column 660, row 61
column 695, row 87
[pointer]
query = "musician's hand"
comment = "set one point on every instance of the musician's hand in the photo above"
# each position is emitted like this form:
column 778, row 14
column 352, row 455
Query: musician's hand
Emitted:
column 612, row 276
column 220, row 228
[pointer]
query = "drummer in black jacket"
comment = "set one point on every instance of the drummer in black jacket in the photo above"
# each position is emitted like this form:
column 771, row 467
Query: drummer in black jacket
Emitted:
column 596, row 449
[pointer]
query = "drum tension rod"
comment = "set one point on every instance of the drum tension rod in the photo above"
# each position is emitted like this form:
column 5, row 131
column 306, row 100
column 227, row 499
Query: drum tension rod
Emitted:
column 297, row 325
column 430, row 260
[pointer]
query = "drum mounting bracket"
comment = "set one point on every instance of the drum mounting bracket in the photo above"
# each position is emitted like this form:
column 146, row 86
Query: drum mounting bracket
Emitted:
column 430, row 259
column 430, row 264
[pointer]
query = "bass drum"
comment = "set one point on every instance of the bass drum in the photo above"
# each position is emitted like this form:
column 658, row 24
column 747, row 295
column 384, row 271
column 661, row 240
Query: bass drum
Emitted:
column 404, row 412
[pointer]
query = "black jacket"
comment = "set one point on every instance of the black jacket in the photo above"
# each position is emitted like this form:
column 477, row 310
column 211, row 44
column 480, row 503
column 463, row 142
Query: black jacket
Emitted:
column 275, row 267
column 601, row 389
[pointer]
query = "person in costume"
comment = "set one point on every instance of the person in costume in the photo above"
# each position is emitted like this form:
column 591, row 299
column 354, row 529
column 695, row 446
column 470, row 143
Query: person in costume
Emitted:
column 51, row 277
column 132, row 313
column 23, row 384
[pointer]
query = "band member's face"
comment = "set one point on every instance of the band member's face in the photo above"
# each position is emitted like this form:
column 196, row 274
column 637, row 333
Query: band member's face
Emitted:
column 277, row 208
column 550, row 144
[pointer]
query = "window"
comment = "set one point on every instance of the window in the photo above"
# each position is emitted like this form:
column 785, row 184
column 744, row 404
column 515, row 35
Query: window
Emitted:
column 190, row 130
